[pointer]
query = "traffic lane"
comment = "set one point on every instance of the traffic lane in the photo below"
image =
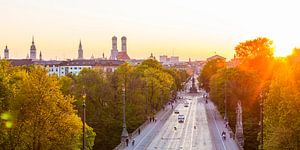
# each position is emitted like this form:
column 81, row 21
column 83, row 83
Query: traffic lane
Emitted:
column 203, row 138
column 167, row 136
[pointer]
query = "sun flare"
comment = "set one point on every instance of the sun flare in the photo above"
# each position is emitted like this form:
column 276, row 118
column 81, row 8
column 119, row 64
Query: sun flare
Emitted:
column 282, row 53
column 282, row 50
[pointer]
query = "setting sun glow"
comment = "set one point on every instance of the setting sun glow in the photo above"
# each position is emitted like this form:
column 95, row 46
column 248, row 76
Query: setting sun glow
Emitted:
column 282, row 53
column 282, row 50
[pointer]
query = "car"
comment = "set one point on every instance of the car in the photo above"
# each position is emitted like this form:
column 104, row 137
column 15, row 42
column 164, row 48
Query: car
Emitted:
column 176, row 111
column 180, row 118
column 186, row 104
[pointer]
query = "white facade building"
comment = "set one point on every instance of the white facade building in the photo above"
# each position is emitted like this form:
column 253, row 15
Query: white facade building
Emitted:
column 164, row 59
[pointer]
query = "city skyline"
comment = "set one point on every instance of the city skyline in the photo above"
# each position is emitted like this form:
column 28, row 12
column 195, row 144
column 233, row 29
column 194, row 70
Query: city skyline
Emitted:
column 189, row 29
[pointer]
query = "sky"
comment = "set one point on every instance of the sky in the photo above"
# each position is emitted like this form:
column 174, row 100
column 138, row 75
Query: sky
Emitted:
column 193, row 29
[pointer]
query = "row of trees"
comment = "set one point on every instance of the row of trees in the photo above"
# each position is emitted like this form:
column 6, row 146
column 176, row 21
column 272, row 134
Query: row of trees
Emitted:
column 34, row 112
column 148, row 86
column 259, row 76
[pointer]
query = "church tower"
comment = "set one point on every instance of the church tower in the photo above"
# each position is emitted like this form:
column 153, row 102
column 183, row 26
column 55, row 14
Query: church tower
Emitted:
column 124, row 45
column 80, row 51
column 32, row 50
column 114, row 50
column 6, row 53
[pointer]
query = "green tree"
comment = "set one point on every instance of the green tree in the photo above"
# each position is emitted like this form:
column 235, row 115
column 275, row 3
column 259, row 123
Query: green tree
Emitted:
column 209, row 69
column 281, row 109
column 44, row 118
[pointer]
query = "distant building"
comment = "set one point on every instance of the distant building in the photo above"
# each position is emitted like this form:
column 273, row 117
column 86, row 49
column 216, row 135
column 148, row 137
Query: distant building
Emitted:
column 32, row 50
column 41, row 58
column 123, row 54
column 164, row 59
column 216, row 57
column 174, row 59
column 6, row 53
column 80, row 51
column 152, row 57
column 62, row 68
column 114, row 50
column 234, row 62
column 115, row 54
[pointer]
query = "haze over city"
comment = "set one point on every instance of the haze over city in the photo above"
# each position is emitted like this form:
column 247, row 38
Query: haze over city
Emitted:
column 189, row 29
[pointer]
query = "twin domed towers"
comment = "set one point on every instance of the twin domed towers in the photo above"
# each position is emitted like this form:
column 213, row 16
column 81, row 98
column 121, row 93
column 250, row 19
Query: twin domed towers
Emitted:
column 115, row 54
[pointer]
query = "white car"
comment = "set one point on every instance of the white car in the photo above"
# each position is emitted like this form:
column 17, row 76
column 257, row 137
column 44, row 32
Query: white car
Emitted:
column 181, row 118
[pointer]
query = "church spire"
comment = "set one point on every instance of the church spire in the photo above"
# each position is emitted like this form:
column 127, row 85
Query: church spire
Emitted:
column 80, row 51
column 32, row 40
column 41, row 55
column 80, row 46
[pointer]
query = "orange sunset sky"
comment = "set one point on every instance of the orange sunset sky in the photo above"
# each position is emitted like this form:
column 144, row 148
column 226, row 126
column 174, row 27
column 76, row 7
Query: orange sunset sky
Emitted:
column 187, row 28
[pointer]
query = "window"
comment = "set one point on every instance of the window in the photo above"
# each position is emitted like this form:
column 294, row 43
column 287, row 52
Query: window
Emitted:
column 75, row 68
column 71, row 68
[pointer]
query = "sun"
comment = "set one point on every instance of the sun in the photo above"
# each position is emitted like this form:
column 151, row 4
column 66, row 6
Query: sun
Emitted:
column 282, row 53
column 282, row 50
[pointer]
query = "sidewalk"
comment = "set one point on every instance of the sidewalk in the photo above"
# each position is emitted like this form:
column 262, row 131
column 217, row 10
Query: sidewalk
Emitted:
column 149, row 129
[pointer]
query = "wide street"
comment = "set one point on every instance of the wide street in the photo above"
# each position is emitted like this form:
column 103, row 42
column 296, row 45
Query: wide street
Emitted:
column 201, row 128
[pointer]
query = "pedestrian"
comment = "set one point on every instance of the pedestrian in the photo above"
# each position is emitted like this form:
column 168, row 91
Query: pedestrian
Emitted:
column 139, row 131
column 133, row 142
column 127, row 141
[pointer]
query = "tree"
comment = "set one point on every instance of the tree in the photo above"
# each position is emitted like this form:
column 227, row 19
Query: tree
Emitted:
column 209, row 69
column 257, row 55
column 281, row 110
column 44, row 118
column 237, row 85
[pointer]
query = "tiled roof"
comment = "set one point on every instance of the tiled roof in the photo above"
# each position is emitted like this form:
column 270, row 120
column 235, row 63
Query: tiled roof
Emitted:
column 123, row 56
column 77, row 62
column 20, row 62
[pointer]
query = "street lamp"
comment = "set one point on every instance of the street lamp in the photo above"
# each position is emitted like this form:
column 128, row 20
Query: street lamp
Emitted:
column 83, row 122
column 124, row 132
column 261, row 121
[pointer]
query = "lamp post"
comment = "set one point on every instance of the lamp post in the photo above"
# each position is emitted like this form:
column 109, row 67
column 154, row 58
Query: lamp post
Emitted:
column 261, row 121
column 83, row 122
column 124, row 132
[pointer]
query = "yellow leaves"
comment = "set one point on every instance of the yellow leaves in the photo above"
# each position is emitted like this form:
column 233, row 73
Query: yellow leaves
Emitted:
column 8, row 119
column 6, row 116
